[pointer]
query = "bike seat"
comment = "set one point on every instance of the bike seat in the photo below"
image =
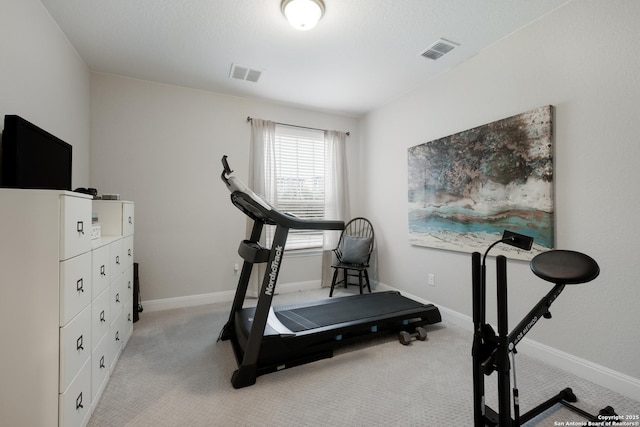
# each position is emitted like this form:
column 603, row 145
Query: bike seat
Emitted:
column 565, row 267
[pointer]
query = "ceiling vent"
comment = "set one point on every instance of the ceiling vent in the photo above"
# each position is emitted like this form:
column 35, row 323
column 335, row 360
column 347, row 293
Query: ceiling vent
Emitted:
column 439, row 48
column 240, row 72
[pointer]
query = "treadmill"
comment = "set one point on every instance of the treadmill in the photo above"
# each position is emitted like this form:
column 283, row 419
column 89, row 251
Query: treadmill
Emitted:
column 267, row 339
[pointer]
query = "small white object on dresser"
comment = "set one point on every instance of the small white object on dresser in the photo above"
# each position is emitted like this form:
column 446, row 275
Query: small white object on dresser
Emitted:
column 61, row 326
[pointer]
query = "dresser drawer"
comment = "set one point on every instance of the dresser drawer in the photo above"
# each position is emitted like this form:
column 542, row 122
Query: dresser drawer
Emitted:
column 127, row 323
column 127, row 286
column 75, row 286
column 128, row 219
column 100, row 317
column 127, row 252
column 75, row 403
column 116, row 297
column 116, row 258
column 99, row 369
column 115, row 335
column 101, row 269
column 75, row 237
column 75, row 347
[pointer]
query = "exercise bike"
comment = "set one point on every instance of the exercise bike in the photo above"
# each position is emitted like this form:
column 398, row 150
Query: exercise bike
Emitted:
column 491, row 351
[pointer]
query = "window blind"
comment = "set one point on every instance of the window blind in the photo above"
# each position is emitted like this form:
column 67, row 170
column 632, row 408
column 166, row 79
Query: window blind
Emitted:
column 300, row 174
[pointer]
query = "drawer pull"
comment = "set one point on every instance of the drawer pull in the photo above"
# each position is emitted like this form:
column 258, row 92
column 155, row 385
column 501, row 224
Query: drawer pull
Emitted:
column 118, row 297
column 102, row 272
column 118, row 259
column 79, row 343
column 79, row 402
column 102, row 319
column 80, row 227
column 129, row 284
column 130, row 220
column 102, row 362
column 129, row 252
column 80, row 285
column 129, row 317
column 117, row 335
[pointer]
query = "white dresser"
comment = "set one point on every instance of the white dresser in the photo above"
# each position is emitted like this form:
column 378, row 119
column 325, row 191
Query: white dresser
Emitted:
column 66, row 305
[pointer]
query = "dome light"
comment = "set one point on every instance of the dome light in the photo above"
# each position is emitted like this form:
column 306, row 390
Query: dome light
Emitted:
column 303, row 15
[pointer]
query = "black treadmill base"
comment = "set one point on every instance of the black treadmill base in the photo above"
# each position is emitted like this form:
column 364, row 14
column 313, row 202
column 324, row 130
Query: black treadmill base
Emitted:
column 246, row 375
column 394, row 313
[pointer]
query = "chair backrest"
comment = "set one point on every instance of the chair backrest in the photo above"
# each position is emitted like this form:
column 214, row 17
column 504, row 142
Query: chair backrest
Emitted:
column 356, row 242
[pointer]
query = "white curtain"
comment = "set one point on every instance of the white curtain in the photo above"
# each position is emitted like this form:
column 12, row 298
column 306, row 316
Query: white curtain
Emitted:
column 262, row 158
column 261, row 177
column 262, row 180
column 336, row 193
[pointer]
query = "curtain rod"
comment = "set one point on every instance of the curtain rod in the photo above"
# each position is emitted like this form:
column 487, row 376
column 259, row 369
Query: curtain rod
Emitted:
column 249, row 118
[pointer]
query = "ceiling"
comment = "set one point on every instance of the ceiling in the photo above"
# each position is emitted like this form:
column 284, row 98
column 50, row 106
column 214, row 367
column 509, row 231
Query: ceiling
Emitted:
column 362, row 55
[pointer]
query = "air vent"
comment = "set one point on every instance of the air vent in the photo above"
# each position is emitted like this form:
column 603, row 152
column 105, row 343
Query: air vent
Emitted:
column 240, row 72
column 439, row 48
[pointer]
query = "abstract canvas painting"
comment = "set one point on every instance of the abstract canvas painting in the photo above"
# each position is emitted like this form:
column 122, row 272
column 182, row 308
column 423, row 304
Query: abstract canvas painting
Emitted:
column 466, row 189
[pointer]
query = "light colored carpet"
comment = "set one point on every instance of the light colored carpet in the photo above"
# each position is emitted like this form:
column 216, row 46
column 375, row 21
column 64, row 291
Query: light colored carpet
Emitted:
column 174, row 373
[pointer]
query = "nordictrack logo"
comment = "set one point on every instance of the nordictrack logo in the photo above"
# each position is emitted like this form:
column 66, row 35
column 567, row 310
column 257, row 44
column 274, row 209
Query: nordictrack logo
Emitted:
column 274, row 271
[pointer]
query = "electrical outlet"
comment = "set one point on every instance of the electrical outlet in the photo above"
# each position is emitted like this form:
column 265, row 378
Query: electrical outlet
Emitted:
column 432, row 279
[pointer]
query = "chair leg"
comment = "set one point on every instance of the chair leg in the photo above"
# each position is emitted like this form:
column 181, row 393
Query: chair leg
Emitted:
column 360, row 280
column 333, row 281
column 346, row 277
column 366, row 276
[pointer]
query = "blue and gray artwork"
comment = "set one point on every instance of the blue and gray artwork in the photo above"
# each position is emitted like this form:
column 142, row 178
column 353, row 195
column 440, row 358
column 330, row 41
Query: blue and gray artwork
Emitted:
column 466, row 189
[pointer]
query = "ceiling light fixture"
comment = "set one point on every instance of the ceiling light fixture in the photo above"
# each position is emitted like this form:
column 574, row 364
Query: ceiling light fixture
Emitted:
column 303, row 15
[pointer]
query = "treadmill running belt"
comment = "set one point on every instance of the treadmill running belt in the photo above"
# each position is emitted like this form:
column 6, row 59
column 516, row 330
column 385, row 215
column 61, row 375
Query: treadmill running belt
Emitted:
column 345, row 310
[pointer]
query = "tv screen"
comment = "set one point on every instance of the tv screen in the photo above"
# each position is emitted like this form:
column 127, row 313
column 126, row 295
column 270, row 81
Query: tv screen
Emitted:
column 32, row 157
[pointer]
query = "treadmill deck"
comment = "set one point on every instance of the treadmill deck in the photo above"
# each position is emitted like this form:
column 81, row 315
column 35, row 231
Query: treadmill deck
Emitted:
column 323, row 320
column 356, row 308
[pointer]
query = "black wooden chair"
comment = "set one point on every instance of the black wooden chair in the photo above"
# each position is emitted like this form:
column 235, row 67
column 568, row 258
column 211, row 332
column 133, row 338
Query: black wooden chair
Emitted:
column 353, row 253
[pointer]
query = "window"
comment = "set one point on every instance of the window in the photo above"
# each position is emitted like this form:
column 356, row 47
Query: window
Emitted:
column 299, row 157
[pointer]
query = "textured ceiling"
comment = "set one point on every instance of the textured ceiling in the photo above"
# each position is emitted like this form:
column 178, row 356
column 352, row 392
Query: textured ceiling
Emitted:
column 362, row 55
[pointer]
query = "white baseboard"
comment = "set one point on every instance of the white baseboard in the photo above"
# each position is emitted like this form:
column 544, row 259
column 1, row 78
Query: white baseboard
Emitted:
column 598, row 374
column 186, row 301
column 613, row 380
column 214, row 297
column 601, row 375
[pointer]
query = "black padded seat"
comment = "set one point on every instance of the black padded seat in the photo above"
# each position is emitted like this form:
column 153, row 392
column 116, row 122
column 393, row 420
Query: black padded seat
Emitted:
column 565, row 267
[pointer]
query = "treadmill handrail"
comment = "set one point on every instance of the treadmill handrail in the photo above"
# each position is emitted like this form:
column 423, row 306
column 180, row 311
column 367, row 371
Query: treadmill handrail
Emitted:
column 257, row 208
column 251, row 207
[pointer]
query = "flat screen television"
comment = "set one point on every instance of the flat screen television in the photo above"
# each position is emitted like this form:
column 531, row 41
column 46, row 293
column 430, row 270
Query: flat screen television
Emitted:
column 33, row 158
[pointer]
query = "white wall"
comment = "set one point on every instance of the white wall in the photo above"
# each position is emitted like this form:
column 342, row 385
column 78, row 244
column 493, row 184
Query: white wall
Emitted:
column 583, row 59
column 161, row 146
column 43, row 80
